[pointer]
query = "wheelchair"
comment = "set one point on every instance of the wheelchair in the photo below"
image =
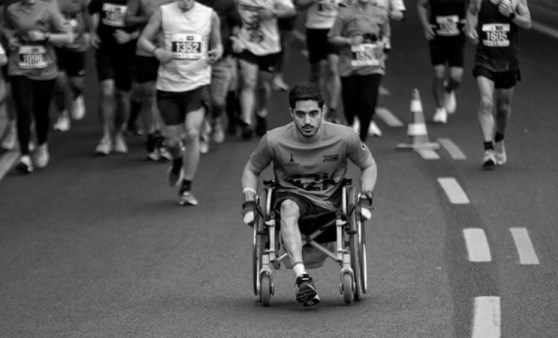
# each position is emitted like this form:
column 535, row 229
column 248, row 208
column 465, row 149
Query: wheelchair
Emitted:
column 349, row 244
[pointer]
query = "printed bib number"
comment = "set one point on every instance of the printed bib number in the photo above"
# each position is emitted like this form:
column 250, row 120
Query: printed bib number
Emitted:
column 447, row 25
column 113, row 15
column 327, row 8
column 32, row 57
column 366, row 54
column 187, row 46
column 496, row 35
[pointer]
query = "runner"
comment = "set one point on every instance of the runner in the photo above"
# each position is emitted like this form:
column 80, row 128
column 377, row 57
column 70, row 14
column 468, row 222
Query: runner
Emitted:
column 493, row 25
column 71, row 64
column 32, row 27
column 191, row 42
column 443, row 22
column 286, row 26
column 258, row 48
column 115, row 44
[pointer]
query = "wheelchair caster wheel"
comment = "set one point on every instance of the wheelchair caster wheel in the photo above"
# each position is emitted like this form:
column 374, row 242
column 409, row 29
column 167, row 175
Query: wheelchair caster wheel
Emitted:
column 266, row 289
column 347, row 288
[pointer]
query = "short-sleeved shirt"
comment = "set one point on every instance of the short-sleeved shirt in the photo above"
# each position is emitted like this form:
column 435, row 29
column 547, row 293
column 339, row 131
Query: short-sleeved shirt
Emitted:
column 111, row 17
column 373, row 23
column 322, row 13
column 447, row 17
column 313, row 170
column 74, row 12
column 35, row 60
column 228, row 16
column 260, row 37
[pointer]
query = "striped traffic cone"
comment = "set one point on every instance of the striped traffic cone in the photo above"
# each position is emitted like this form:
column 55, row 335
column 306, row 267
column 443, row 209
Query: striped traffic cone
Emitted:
column 416, row 130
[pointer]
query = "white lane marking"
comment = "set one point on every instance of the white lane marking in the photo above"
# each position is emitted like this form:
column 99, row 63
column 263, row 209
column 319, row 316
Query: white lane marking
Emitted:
column 525, row 249
column 487, row 317
column 428, row 154
column 453, row 190
column 452, row 149
column 477, row 245
column 7, row 161
column 542, row 28
column 390, row 119
column 384, row 91
column 299, row 36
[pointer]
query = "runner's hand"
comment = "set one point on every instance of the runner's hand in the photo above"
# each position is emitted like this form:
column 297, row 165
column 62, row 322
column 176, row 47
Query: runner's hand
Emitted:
column 473, row 36
column 14, row 43
column 163, row 55
column 214, row 55
column 236, row 45
column 429, row 32
column 121, row 36
column 356, row 40
column 95, row 40
column 249, row 212
column 505, row 8
column 365, row 203
column 35, row 35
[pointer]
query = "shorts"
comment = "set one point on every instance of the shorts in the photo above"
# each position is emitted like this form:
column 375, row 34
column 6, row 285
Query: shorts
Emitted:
column 451, row 54
column 266, row 63
column 287, row 24
column 145, row 68
column 71, row 62
column 502, row 80
column 116, row 62
column 318, row 46
column 312, row 217
column 174, row 106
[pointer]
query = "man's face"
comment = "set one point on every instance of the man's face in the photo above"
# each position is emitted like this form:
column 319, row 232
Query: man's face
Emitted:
column 307, row 117
column 185, row 5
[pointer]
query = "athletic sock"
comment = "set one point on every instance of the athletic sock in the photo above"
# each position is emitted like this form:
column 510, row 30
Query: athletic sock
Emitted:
column 186, row 185
column 498, row 137
column 488, row 145
column 299, row 269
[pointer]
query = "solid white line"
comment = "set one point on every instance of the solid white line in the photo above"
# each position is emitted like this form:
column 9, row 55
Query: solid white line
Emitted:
column 477, row 245
column 428, row 154
column 7, row 161
column 525, row 249
column 452, row 149
column 487, row 318
column 542, row 28
column 453, row 190
column 390, row 119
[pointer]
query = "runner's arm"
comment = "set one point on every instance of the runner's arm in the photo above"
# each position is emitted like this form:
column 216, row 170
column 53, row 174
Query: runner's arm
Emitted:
column 259, row 160
column 133, row 16
column 215, row 46
column 522, row 15
column 304, row 4
column 423, row 11
column 145, row 41
column 472, row 20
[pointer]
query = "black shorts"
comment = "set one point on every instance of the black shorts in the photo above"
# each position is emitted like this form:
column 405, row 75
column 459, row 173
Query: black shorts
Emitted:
column 116, row 62
column 502, row 80
column 71, row 62
column 451, row 54
column 318, row 46
column 287, row 24
column 145, row 68
column 266, row 63
column 174, row 106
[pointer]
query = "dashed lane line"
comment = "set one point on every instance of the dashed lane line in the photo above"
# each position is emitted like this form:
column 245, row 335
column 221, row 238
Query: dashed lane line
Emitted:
column 453, row 190
column 477, row 245
column 452, row 149
column 7, row 161
column 487, row 317
column 525, row 249
column 428, row 154
column 387, row 116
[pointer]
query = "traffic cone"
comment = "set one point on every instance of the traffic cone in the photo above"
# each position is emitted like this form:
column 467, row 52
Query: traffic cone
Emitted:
column 416, row 130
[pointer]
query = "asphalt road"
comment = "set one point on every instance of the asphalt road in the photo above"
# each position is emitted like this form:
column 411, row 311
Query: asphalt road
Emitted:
column 98, row 247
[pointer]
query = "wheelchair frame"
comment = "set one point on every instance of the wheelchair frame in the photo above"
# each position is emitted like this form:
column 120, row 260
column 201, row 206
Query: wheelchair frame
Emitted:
column 350, row 248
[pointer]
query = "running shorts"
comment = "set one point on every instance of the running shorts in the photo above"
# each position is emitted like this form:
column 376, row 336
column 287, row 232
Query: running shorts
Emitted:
column 145, row 68
column 71, row 62
column 116, row 62
column 266, row 63
column 318, row 46
column 174, row 106
column 451, row 54
column 287, row 24
column 502, row 80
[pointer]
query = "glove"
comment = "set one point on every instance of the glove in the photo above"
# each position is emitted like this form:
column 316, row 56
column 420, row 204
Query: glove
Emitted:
column 248, row 212
column 365, row 203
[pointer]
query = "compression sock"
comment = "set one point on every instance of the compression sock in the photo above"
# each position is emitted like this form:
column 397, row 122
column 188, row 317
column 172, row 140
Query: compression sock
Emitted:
column 488, row 145
column 498, row 137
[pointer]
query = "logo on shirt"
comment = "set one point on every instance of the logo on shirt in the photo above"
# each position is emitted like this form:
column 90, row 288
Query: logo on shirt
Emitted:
column 291, row 162
column 331, row 158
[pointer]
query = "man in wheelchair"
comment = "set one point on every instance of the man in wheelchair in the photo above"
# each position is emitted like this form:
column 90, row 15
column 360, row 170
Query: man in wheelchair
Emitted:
column 309, row 157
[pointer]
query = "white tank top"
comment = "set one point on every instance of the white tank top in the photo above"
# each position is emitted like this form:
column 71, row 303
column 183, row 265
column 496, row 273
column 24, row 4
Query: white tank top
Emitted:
column 260, row 38
column 322, row 14
column 186, row 34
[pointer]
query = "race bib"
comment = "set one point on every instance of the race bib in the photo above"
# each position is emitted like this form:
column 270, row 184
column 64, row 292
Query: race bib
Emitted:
column 447, row 25
column 113, row 15
column 365, row 55
column 327, row 8
column 187, row 46
column 496, row 34
column 32, row 57
column 71, row 25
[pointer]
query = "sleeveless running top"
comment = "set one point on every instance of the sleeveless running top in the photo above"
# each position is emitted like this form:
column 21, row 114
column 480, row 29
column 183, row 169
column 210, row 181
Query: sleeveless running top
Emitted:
column 498, row 40
column 145, row 8
column 447, row 16
column 260, row 37
column 322, row 14
column 314, row 170
column 186, row 34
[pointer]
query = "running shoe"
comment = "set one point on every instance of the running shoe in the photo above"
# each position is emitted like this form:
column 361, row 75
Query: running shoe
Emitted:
column 41, row 156
column 278, row 84
column 186, row 197
column 305, row 291
column 261, row 125
column 174, row 173
column 25, row 166
column 78, row 108
column 10, row 138
column 204, row 144
column 63, row 123
column 164, row 154
column 489, row 160
column 374, row 130
column 441, row 116
column 246, row 131
column 218, row 134
column 500, row 153
column 104, row 147
column 356, row 125
column 120, row 144
column 151, row 147
column 134, row 130
column 449, row 102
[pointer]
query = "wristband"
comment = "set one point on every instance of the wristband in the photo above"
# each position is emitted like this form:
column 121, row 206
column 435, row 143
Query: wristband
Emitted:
column 512, row 16
column 249, row 190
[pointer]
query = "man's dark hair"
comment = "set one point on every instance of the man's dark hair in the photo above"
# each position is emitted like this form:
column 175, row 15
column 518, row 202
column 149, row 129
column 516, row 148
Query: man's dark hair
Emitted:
column 306, row 91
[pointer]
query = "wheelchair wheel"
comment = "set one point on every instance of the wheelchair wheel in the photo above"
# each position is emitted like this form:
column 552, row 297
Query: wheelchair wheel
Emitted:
column 347, row 288
column 362, row 257
column 257, row 259
column 354, row 243
column 266, row 289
